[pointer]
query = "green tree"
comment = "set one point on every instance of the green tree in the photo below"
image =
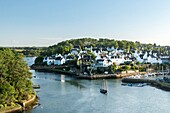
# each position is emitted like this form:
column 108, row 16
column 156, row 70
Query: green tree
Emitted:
column 39, row 60
column 116, row 45
column 15, row 84
column 113, row 67
column 66, row 49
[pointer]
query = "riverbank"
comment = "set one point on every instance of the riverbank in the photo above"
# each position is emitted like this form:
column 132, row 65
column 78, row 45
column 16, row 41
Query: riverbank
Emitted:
column 11, row 109
column 97, row 76
column 160, row 85
column 77, row 75
column 107, row 76
column 53, row 69
column 26, row 104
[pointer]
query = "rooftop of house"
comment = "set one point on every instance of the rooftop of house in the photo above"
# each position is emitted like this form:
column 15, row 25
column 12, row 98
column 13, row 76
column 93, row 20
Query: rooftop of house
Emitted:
column 74, row 49
column 58, row 58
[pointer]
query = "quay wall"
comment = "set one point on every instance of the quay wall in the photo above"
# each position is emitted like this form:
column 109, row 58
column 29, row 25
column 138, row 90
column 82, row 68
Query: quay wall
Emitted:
column 29, row 102
column 160, row 85
column 81, row 76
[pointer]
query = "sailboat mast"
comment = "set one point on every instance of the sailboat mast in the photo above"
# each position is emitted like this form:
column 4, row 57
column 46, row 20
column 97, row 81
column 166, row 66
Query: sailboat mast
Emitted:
column 105, row 84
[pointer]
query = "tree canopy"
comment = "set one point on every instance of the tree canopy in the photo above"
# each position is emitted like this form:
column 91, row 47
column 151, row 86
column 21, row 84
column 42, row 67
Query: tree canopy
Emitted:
column 15, row 83
column 64, row 47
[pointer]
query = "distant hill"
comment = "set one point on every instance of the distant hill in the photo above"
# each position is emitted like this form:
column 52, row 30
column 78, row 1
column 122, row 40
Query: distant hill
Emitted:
column 64, row 47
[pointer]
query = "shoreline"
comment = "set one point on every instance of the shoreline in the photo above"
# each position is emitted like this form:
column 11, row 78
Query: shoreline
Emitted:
column 160, row 85
column 80, row 76
column 20, row 107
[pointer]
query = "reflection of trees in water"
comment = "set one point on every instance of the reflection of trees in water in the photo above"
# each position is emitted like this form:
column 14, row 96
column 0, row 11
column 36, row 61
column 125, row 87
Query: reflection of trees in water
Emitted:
column 71, row 82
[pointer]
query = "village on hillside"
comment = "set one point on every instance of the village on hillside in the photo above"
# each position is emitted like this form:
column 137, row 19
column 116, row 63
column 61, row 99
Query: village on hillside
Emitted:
column 99, row 59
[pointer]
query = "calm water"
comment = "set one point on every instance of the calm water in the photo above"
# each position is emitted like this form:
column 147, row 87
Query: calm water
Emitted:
column 83, row 96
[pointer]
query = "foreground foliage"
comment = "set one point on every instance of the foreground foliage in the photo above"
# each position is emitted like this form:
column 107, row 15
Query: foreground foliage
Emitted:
column 15, row 84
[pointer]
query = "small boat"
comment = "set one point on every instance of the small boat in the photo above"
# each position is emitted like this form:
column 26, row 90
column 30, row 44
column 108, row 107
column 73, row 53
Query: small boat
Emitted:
column 124, row 84
column 36, row 86
column 103, row 90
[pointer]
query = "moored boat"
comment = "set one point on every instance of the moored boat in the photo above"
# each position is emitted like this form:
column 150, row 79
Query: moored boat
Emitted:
column 103, row 90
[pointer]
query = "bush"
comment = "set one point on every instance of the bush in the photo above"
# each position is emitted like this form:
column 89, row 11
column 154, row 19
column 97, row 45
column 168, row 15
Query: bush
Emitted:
column 39, row 60
column 125, row 68
column 133, row 67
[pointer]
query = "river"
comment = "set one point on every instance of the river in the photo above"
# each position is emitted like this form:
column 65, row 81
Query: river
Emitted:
column 83, row 96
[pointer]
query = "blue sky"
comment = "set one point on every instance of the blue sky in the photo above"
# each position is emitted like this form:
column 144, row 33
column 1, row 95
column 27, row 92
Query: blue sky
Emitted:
column 46, row 22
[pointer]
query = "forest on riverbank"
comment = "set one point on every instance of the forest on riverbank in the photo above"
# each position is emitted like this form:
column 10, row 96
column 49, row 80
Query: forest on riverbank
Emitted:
column 15, row 83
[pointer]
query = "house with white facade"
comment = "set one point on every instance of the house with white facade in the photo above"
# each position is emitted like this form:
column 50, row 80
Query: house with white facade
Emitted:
column 96, row 51
column 103, row 62
column 117, row 58
column 49, row 60
column 83, row 51
column 148, row 57
column 74, row 51
column 70, row 57
column 59, row 60
column 104, row 50
column 165, row 58
column 111, row 48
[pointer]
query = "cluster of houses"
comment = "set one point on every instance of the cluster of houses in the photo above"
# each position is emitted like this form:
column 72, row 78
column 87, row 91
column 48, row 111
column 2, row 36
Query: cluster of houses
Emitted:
column 106, row 56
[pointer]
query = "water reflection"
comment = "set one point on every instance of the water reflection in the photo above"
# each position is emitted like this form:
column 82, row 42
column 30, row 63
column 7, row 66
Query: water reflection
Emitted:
column 75, row 83
column 62, row 78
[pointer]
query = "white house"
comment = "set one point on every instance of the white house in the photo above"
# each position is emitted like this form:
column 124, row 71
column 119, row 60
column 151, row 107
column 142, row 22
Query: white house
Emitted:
column 104, row 50
column 148, row 57
column 49, row 60
column 118, row 59
column 96, row 52
column 74, row 51
column 152, row 59
column 70, row 57
column 120, row 50
column 110, row 48
column 138, row 56
column 59, row 60
column 83, row 51
column 103, row 63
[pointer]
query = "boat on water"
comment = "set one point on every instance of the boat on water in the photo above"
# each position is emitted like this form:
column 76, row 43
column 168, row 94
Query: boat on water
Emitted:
column 103, row 90
column 36, row 86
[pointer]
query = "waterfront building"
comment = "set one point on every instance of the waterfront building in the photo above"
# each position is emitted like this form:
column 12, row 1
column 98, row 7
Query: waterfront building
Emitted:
column 59, row 60
column 48, row 60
